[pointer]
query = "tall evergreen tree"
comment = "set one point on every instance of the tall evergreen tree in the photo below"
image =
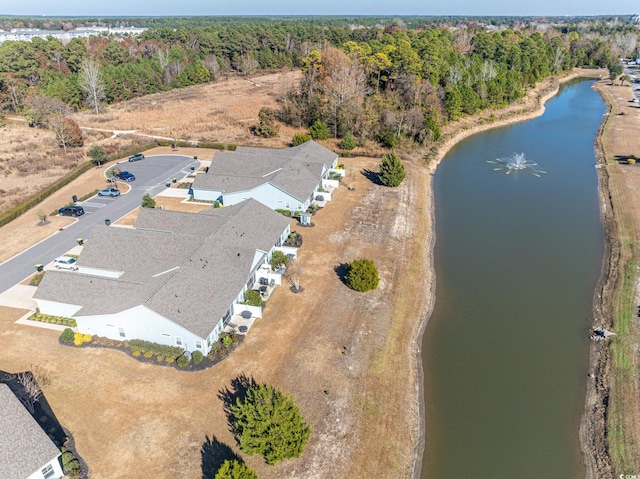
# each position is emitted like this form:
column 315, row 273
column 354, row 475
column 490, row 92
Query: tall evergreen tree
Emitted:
column 269, row 423
column 391, row 170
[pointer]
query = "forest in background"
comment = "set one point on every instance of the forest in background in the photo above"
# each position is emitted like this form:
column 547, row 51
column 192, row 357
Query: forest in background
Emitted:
column 395, row 81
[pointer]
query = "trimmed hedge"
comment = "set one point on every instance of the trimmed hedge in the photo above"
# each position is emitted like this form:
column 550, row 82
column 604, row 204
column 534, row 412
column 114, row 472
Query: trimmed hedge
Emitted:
column 155, row 348
column 33, row 200
column 45, row 318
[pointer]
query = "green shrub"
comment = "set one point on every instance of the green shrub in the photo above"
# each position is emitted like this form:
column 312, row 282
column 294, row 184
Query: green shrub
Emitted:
column 362, row 275
column 300, row 138
column 348, row 142
column 252, row 298
column 155, row 348
column 182, row 361
column 67, row 335
column 66, row 458
column 283, row 212
column 197, row 357
column 88, row 195
column 319, row 130
column 278, row 258
column 234, row 469
column 148, row 202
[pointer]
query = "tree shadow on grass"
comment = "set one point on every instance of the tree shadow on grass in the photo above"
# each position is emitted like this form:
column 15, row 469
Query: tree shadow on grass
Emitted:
column 42, row 412
column 341, row 271
column 372, row 176
column 229, row 396
column 213, row 454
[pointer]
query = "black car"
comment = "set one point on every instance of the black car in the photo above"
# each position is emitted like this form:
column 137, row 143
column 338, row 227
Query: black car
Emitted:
column 71, row 211
column 136, row 157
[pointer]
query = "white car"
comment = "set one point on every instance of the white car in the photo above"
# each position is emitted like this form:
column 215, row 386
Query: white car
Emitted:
column 65, row 262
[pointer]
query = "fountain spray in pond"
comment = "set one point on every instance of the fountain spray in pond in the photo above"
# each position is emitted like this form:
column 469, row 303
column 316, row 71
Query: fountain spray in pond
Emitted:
column 517, row 161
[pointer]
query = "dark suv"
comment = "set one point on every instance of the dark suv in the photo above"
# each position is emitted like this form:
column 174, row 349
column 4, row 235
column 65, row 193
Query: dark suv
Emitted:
column 136, row 157
column 125, row 176
column 71, row 211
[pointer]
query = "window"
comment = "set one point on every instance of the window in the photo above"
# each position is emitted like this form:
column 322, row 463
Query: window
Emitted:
column 178, row 341
column 165, row 334
column 121, row 332
column 286, row 205
column 48, row 471
column 198, row 344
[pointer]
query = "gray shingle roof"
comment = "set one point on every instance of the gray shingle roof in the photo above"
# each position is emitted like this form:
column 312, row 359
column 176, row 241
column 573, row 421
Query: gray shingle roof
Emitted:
column 24, row 447
column 188, row 267
column 295, row 170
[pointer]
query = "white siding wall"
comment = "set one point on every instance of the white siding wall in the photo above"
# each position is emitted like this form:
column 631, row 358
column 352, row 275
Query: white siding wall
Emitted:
column 206, row 195
column 57, row 470
column 54, row 308
column 141, row 323
column 267, row 194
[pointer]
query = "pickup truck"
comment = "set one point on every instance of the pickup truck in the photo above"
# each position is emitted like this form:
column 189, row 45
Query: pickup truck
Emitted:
column 124, row 176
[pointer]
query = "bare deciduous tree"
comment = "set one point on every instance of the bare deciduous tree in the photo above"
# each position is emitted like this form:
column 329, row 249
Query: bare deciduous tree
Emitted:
column 163, row 58
column 91, row 83
column 292, row 274
column 211, row 63
column 42, row 107
column 247, row 63
column 32, row 383
column 67, row 131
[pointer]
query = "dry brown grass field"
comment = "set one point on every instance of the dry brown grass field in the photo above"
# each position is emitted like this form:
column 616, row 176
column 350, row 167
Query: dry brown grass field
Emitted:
column 220, row 112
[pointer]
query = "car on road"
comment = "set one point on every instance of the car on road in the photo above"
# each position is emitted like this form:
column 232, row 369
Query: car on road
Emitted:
column 136, row 157
column 125, row 176
column 65, row 262
column 109, row 192
column 72, row 210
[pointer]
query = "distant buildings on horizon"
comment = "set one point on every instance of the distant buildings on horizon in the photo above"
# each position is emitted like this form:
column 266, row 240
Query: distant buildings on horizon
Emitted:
column 27, row 34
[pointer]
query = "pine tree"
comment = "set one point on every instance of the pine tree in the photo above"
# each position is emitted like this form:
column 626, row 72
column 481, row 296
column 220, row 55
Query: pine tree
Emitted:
column 391, row 170
column 319, row 130
column 148, row 202
column 266, row 127
column 270, row 423
column 348, row 142
column 233, row 469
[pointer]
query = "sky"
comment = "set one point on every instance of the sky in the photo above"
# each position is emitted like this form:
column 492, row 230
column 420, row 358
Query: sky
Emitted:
column 324, row 7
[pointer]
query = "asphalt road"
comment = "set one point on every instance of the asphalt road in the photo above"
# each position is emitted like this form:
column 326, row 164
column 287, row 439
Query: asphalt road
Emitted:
column 151, row 175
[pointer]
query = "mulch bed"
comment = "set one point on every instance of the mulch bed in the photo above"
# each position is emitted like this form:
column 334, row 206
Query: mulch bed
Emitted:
column 206, row 363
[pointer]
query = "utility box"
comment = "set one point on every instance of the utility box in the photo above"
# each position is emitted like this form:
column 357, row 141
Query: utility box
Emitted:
column 305, row 219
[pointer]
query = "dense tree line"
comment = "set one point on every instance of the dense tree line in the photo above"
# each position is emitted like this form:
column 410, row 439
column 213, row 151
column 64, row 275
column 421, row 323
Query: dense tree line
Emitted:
column 405, row 84
column 390, row 80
